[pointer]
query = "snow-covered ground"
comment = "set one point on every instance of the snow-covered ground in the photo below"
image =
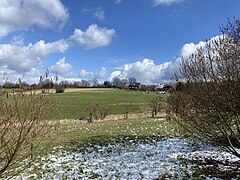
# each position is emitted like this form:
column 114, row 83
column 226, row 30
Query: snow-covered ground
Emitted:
column 133, row 159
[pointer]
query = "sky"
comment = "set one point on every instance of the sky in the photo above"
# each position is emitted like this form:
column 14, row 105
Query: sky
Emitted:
column 103, row 39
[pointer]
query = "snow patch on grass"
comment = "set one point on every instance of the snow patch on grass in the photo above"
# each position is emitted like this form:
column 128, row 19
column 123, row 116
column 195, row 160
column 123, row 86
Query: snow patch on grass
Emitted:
column 130, row 159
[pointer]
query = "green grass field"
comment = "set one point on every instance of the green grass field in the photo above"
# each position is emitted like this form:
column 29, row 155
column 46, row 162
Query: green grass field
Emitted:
column 73, row 105
column 69, row 135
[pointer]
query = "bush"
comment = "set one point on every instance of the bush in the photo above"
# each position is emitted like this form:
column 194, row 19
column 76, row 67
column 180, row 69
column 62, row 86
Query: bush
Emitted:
column 22, row 129
column 155, row 106
column 206, row 101
column 97, row 111
column 59, row 89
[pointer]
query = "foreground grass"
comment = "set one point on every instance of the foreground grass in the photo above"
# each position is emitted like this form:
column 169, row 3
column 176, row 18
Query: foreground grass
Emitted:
column 73, row 105
column 70, row 135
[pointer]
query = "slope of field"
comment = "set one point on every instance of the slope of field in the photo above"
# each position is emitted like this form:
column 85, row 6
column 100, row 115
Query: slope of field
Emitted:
column 73, row 105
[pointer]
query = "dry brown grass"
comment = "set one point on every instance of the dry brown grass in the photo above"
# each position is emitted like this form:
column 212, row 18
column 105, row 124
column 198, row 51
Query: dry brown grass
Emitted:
column 86, row 89
column 52, row 91
column 107, row 118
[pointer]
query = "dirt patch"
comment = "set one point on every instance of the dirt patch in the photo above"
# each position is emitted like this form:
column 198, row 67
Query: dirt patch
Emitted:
column 86, row 89
column 52, row 91
column 45, row 91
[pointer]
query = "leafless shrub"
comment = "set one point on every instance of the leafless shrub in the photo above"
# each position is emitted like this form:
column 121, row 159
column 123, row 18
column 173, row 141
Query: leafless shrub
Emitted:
column 22, row 129
column 127, row 108
column 59, row 89
column 97, row 111
column 154, row 106
column 206, row 100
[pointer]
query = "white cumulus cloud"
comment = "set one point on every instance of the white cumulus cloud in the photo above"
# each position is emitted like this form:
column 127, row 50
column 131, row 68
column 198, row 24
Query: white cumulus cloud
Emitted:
column 83, row 73
column 61, row 67
column 102, row 73
column 32, row 76
column 166, row 2
column 148, row 72
column 93, row 37
column 23, row 14
column 22, row 58
column 99, row 75
column 145, row 71
column 19, row 58
column 115, row 74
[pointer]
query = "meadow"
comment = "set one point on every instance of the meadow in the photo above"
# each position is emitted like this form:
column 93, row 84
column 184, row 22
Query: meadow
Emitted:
column 73, row 105
column 101, row 132
column 133, row 148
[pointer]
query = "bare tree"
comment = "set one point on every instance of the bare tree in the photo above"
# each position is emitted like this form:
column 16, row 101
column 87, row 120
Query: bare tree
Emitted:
column 127, row 109
column 132, row 80
column 116, row 82
column 123, row 83
column 154, row 106
column 97, row 111
column 206, row 100
column 21, row 130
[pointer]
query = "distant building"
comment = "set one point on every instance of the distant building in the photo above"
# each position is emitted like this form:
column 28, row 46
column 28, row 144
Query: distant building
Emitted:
column 161, row 89
column 134, row 86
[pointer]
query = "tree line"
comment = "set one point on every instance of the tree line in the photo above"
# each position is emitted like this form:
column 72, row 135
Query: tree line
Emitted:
column 48, row 83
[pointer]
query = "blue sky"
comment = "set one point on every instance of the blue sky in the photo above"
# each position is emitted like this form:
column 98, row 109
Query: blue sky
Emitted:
column 86, row 39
